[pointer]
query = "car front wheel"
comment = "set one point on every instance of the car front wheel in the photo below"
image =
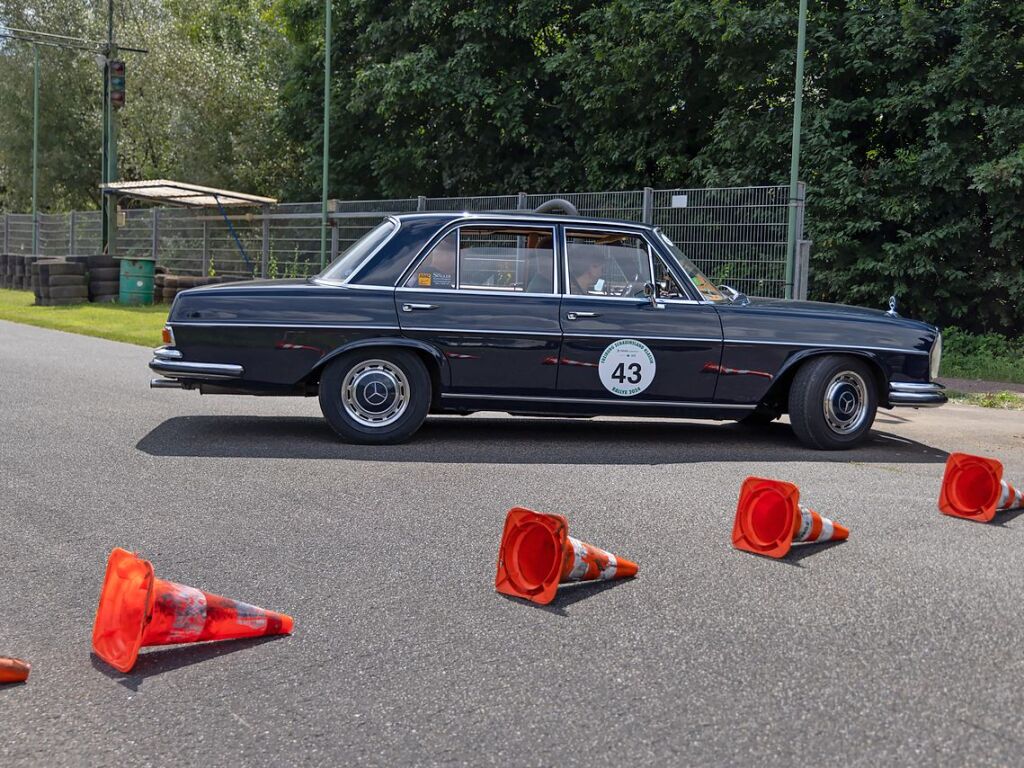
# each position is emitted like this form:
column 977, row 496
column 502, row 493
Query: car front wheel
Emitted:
column 375, row 397
column 832, row 402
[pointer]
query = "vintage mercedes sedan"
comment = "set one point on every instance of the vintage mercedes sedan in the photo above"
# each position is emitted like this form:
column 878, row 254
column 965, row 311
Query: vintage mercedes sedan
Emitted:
column 542, row 315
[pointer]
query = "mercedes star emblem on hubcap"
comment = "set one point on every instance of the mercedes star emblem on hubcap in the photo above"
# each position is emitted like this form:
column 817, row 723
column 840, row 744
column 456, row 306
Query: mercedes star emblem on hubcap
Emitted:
column 847, row 402
column 375, row 393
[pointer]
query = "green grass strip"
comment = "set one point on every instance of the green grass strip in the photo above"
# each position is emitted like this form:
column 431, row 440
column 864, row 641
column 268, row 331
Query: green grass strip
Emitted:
column 133, row 325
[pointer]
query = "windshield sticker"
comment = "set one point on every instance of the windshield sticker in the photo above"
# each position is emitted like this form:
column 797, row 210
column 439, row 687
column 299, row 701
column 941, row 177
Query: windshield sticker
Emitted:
column 626, row 367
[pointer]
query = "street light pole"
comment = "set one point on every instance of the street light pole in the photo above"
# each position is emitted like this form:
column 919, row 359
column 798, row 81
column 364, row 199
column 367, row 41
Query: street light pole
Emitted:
column 35, row 150
column 327, row 133
column 794, row 162
column 110, row 139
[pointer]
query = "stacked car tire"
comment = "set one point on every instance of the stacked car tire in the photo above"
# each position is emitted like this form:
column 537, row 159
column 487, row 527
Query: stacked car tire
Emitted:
column 67, row 283
column 104, row 279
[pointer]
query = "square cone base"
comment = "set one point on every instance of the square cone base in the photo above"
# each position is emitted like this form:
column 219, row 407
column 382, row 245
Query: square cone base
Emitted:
column 126, row 604
column 531, row 555
column 971, row 486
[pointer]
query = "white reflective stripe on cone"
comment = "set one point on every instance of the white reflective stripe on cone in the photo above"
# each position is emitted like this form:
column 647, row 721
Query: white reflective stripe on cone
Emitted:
column 609, row 572
column 806, row 521
column 827, row 529
column 1004, row 495
column 579, row 565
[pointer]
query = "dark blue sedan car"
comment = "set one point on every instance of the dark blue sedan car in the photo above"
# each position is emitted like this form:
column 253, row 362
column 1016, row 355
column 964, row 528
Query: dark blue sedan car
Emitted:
column 542, row 315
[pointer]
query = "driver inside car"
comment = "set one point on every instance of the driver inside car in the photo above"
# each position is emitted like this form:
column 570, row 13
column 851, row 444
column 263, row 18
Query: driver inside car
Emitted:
column 585, row 271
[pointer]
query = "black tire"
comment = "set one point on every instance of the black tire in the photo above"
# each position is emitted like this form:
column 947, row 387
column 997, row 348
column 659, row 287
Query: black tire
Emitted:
column 67, row 302
column 106, row 298
column 105, row 274
column 400, row 414
column 67, row 268
column 101, row 261
column 58, row 281
column 832, row 402
column 69, row 292
column 102, row 287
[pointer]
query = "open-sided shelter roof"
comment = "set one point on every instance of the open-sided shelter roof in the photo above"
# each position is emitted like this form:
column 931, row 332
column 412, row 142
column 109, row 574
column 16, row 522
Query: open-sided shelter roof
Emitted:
column 164, row 192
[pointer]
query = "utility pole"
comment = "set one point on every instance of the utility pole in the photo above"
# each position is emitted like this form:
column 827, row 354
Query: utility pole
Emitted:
column 327, row 133
column 794, row 162
column 110, row 140
column 35, row 150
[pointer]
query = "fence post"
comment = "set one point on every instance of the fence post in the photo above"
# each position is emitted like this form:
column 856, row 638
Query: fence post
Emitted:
column 265, row 254
column 521, row 201
column 7, row 235
column 647, row 215
column 206, row 247
column 335, row 238
column 72, row 223
column 801, row 272
column 154, row 234
column 421, row 203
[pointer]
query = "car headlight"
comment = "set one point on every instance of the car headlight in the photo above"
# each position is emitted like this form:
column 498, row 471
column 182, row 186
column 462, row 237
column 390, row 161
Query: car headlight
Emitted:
column 935, row 358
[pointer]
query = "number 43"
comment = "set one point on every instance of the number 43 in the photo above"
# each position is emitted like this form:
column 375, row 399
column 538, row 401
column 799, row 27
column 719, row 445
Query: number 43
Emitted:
column 635, row 373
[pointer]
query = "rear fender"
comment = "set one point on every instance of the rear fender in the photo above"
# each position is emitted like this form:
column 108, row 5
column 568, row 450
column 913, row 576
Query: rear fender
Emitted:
column 436, row 363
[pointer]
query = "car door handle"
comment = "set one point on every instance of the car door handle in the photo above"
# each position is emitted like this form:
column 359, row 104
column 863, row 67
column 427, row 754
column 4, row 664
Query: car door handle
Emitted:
column 578, row 315
column 412, row 307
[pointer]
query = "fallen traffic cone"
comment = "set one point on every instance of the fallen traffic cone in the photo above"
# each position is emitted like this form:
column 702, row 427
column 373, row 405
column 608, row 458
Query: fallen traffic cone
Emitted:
column 537, row 554
column 137, row 609
column 13, row 670
column 973, row 488
column 770, row 519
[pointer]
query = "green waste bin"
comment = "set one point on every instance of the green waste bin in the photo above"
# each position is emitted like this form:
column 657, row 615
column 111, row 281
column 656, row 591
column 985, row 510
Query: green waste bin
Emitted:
column 137, row 281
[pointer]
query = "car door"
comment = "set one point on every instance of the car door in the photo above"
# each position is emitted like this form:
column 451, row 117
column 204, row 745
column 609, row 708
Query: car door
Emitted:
column 619, row 345
column 484, row 295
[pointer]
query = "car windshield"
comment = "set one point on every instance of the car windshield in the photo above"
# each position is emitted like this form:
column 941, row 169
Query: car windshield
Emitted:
column 707, row 289
column 343, row 266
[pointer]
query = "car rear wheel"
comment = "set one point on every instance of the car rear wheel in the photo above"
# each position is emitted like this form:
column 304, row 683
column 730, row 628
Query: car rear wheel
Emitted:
column 832, row 402
column 375, row 397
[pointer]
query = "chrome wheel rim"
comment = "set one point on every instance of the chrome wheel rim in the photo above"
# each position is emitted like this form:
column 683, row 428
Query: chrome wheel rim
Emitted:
column 845, row 403
column 375, row 393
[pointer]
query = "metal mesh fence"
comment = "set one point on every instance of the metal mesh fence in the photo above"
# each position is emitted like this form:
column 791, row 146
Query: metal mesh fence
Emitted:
column 737, row 235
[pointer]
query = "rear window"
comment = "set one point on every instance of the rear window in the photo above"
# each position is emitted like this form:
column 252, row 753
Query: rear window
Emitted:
column 342, row 267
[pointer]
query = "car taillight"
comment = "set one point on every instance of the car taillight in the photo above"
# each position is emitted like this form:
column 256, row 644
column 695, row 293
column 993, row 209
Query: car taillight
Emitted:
column 168, row 336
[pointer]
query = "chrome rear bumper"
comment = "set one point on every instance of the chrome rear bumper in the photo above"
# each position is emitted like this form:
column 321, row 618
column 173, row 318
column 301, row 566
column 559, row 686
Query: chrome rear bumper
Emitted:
column 916, row 394
column 179, row 369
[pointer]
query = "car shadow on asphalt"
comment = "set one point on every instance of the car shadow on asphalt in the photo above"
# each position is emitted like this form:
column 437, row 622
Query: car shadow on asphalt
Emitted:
column 152, row 663
column 483, row 440
column 568, row 594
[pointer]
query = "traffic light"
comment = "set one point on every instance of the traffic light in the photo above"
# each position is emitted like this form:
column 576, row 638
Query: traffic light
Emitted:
column 116, row 70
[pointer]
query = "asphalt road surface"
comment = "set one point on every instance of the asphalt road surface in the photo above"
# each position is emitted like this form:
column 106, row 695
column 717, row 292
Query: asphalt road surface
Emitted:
column 903, row 645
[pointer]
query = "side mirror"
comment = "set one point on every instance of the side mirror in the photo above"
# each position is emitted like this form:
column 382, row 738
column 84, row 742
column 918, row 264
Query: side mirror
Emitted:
column 652, row 295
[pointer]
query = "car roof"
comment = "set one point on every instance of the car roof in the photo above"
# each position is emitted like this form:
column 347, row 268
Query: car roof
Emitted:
column 524, row 216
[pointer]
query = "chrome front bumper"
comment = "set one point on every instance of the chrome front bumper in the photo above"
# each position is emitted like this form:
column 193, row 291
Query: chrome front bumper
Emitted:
column 916, row 394
column 168, row 362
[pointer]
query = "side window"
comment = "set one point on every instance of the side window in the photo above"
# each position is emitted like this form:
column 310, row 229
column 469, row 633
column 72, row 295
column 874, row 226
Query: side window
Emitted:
column 607, row 263
column 438, row 269
column 514, row 259
column 665, row 284
column 490, row 258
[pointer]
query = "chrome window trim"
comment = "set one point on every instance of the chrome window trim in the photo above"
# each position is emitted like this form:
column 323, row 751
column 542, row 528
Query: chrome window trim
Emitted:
column 651, row 252
column 465, row 221
column 358, row 270
column 825, row 345
column 596, row 401
column 476, row 292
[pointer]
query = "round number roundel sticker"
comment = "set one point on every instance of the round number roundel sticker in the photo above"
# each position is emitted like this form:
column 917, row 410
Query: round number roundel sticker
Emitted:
column 627, row 367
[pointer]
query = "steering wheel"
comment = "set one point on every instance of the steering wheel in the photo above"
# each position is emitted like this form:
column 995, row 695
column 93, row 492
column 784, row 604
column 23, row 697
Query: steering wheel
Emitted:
column 631, row 288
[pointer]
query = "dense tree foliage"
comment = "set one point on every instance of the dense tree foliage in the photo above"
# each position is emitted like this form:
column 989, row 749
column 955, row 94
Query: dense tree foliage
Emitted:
column 201, row 105
column 913, row 115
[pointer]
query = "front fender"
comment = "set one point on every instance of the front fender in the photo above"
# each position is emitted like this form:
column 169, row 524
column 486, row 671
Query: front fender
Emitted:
column 785, row 375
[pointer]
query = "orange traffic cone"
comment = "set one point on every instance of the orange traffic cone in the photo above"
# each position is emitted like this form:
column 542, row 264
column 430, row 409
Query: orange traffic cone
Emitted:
column 770, row 519
column 973, row 488
column 137, row 609
column 537, row 554
column 13, row 670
